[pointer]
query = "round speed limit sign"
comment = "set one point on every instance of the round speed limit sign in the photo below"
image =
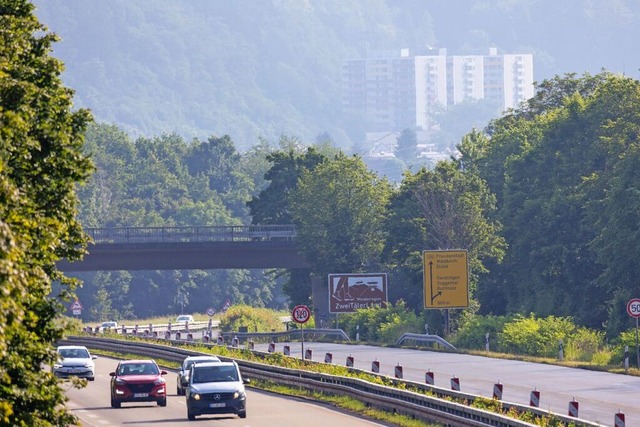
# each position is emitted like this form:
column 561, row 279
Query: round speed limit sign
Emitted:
column 301, row 314
column 633, row 307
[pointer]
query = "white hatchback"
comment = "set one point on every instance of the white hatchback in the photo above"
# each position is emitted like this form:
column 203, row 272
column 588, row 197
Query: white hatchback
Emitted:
column 184, row 318
column 75, row 360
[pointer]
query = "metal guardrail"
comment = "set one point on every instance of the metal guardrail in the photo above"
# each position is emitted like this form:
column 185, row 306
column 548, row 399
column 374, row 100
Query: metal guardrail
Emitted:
column 188, row 234
column 315, row 334
column 418, row 405
column 424, row 338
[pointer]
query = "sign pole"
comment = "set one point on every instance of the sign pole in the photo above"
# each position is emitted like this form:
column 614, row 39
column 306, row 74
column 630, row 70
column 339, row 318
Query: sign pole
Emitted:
column 637, row 346
column 302, row 340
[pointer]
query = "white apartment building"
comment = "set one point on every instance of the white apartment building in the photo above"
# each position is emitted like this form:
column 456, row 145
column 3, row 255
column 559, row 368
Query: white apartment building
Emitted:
column 395, row 91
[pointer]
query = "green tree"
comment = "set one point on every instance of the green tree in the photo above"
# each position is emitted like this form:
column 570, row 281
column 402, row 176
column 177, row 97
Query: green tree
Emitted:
column 445, row 208
column 271, row 206
column 41, row 162
column 218, row 160
column 338, row 209
column 406, row 148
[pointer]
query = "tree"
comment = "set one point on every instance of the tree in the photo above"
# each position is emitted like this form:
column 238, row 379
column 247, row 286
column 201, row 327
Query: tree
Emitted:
column 446, row 208
column 271, row 206
column 41, row 162
column 407, row 147
column 338, row 209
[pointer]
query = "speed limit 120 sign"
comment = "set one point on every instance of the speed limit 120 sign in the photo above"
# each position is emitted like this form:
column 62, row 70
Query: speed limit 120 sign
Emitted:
column 633, row 307
column 301, row 314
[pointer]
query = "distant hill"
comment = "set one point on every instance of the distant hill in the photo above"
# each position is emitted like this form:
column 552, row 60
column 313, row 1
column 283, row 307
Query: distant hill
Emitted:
column 267, row 68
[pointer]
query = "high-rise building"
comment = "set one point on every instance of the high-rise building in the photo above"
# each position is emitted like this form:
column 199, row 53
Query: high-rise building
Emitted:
column 395, row 91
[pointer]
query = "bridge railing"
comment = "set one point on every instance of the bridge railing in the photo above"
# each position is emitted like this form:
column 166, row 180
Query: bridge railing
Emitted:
column 190, row 234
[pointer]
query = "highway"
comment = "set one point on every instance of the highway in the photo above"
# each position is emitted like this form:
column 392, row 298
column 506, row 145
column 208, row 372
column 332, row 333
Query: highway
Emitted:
column 599, row 394
column 92, row 405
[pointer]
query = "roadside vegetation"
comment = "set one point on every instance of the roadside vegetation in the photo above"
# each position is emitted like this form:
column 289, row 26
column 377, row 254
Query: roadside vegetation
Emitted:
column 514, row 337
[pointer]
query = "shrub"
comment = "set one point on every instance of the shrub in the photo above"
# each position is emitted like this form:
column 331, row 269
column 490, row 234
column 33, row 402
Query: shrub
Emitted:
column 535, row 337
column 584, row 344
column 255, row 319
column 472, row 333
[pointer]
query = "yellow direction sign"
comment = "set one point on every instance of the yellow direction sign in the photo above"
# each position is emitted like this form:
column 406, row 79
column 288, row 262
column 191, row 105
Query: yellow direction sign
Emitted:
column 446, row 279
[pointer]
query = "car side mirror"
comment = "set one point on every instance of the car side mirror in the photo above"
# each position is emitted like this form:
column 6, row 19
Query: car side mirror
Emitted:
column 94, row 357
column 246, row 381
column 112, row 374
column 163, row 372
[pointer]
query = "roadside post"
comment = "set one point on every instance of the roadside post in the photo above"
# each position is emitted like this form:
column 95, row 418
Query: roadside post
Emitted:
column 301, row 315
column 633, row 309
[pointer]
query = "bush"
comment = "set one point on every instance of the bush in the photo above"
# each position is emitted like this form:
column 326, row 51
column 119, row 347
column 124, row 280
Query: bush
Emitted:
column 382, row 325
column 472, row 333
column 584, row 344
column 535, row 337
column 255, row 319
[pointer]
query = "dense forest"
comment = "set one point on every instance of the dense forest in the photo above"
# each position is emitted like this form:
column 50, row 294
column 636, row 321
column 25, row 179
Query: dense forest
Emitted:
column 544, row 199
column 261, row 69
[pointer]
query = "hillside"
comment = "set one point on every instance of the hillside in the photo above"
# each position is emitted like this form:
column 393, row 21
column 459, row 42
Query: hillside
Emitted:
column 266, row 68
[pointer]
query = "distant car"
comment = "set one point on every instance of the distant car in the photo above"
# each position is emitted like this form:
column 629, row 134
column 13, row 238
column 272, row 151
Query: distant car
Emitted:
column 183, row 374
column 75, row 360
column 216, row 388
column 138, row 381
column 109, row 325
column 184, row 318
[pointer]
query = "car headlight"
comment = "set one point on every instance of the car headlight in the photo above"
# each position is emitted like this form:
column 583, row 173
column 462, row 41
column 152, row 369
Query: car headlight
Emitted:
column 195, row 396
column 88, row 365
column 57, row 366
column 159, row 381
column 118, row 381
column 238, row 394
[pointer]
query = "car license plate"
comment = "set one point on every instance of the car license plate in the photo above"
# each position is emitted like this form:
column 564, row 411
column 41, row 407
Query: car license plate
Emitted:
column 141, row 395
column 216, row 405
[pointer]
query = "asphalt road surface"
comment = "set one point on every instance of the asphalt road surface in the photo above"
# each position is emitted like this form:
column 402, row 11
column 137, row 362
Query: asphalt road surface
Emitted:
column 599, row 394
column 92, row 405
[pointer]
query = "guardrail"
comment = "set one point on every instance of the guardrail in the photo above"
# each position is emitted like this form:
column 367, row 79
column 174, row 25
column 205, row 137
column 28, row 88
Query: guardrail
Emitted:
column 403, row 401
column 187, row 234
column 407, row 336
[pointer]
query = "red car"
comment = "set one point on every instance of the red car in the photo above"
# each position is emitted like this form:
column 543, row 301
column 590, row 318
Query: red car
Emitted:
column 138, row 381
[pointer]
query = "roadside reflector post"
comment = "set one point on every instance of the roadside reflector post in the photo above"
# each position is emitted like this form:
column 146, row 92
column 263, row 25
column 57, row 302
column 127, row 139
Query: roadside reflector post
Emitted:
column 375, row 366
column 429, row 377
column 398, row 371
column 328, row 357
column 455, row 383
column 272, row 347
column 618, row 419
column 308, row 354
column 573, row 408
column 286, row 350
column 534, row 400
column 349, row 361
column 497, row 391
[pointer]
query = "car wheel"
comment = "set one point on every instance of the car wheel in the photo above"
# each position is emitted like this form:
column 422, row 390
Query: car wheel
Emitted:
column 242, row 414
column 115, row 403
column 162, row 402
column 190, row 415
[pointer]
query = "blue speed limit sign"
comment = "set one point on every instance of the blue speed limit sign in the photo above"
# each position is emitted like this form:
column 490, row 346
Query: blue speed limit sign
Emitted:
column 633, row 307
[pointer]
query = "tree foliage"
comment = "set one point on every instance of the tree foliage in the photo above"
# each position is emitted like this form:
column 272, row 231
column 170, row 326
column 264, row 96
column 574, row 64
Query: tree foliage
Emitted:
column 338, row 208
column 41, row 161
column 563, row 169
column 440, row 209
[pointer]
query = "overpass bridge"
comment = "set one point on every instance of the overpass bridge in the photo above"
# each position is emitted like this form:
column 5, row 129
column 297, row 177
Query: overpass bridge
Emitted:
column 187, row 248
